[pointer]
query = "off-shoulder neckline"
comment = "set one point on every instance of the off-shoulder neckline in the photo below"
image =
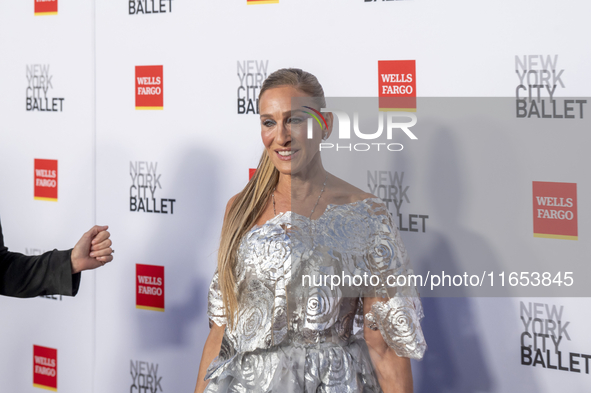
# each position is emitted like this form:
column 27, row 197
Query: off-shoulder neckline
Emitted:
column 328, row 207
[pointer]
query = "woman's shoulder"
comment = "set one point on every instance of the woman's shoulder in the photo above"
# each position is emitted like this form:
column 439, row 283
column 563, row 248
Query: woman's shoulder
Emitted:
column 343, row 193
column 229, row 205
column 362, row 202
column 231, row 201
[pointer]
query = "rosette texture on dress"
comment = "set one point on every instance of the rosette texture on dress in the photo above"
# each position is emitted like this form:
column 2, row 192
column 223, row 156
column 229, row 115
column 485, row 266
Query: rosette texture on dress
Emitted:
column 297, row 333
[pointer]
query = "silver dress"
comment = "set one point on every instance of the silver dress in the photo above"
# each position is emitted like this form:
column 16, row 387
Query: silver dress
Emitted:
column 295, row 337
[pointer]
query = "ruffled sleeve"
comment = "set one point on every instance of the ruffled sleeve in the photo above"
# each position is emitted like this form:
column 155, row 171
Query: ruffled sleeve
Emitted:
column 215, row 303
column 398, row 318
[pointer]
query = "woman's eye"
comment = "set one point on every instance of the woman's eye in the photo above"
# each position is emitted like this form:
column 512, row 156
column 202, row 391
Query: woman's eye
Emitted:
column 268, row 123
column 295, row 120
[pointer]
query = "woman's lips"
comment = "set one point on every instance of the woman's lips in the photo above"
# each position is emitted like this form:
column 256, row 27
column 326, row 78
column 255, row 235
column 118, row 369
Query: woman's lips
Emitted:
column 287, row 157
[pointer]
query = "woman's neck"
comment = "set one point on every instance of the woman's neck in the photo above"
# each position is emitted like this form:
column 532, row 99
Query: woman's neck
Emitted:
column 302, row 186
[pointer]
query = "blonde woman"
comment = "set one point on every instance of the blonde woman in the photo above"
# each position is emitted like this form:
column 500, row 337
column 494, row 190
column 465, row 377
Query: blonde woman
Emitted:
column 293, row 219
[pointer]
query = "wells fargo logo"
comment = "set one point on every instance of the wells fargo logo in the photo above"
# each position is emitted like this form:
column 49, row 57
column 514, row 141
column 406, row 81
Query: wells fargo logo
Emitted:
column 149, row 87
column 555, row 210
column 149, row 287
column 45, row 368
column 45, row 180
column 249, row 2
column 397, row 84
column 45, row 7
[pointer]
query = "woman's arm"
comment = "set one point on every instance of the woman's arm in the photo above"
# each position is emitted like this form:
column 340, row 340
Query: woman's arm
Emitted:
column 394, row 372
column 211, row 349
column 213, row 344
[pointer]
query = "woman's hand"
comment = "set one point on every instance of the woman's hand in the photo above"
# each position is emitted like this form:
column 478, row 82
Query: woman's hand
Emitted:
column 211, row 349
column 394, row 372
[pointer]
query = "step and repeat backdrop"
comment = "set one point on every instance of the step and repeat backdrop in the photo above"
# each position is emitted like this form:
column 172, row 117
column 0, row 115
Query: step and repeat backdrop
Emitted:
column 142, row 115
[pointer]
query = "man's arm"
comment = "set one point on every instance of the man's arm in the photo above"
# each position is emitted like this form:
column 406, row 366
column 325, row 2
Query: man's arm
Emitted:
column 29, row 276
column 54, row 272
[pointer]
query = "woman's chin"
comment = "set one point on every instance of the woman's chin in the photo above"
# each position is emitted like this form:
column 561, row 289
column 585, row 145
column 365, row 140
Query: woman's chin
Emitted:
column 285, row 167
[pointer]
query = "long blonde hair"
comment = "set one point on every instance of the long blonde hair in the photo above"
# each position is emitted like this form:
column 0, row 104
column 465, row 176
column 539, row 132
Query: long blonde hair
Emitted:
column 252, row 200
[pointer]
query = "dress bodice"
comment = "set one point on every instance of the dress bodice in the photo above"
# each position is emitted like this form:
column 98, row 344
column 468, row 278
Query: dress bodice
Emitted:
column 284, row 271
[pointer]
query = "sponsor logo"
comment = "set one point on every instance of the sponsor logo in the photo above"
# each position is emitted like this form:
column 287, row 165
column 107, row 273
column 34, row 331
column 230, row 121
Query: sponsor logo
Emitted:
column 137, row 7
column 149, row 287
column 45, row 368
column 144, row 377
column 397, row 85
column 39, row 84
column 251, row 74
column 251, row 172
column 250, row 2
column 149, row 87
column 544, row 334
column 145, row 182
column 536, row 94
column 45, row 7
column 555, row 210
column 391, row 188
column 45, row 178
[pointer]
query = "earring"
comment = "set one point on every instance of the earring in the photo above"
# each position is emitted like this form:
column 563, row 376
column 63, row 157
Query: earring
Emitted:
column 324, row 136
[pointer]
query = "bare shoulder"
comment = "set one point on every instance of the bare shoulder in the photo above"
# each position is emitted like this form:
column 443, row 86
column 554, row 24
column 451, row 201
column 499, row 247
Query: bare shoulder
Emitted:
column 229, row 204
column 342, row 192
column 231, row 200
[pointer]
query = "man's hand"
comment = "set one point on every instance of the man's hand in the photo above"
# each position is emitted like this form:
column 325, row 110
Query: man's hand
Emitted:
column 92, row 250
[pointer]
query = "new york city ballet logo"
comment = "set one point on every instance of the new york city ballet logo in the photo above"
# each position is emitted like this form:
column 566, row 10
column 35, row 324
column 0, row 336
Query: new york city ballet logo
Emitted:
column 45, row 7
column 39, row 91
column 397, row 84
column 149, row 87
column 45, row 368
column 45, row 177
column 144, row 377
column 540, row 83
column 149, row 287
column 143, row 7
column 251, row 74
column 391, row 188
column 144, row 192
column 546, row 341
column 555, row 210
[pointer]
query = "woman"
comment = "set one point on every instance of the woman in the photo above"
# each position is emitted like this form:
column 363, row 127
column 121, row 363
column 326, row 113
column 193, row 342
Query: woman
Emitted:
column 292, row 220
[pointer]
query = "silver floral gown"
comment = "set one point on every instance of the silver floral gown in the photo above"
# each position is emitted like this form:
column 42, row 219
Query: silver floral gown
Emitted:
column 308, row 337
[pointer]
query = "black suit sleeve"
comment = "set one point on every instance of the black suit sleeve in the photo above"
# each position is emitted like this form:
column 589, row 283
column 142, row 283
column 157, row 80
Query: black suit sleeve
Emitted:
column 29, row 276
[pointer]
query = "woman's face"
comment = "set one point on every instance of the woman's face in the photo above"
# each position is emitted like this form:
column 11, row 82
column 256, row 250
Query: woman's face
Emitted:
column 284, row 132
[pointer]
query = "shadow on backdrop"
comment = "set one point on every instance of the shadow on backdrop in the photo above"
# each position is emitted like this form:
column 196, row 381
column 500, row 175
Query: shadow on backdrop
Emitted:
column 456, row 360
column 187, row 244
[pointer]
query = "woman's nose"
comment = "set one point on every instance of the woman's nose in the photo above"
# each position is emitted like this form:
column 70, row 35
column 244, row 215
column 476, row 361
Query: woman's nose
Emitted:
column 283, row 134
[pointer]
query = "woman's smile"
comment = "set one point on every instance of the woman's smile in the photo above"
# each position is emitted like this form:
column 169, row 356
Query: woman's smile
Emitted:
column 286, row 154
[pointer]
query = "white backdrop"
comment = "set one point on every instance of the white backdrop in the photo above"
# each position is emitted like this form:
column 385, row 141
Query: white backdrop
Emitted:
column 476, row 187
